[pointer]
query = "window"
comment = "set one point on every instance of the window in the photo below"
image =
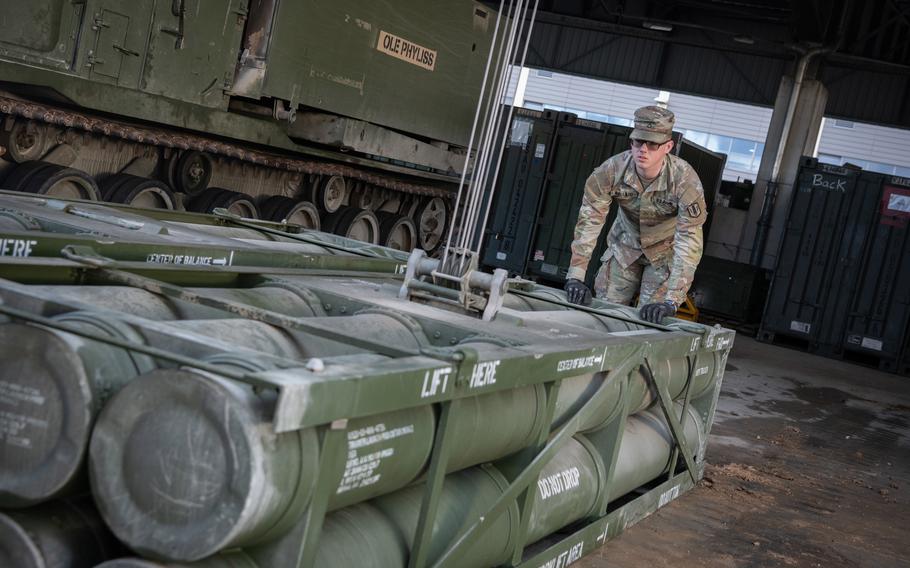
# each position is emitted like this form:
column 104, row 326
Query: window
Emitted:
column 598, row 117
column 718, row 143
column 742, row 154
column 578, row 112
column 700, row 138
column 619, row 121
column 759, row 152
column 880, row 168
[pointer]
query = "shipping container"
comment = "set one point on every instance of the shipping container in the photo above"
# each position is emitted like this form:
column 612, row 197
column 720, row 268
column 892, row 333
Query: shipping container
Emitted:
column 730, row 290
column 841, row 287
column 541, row 182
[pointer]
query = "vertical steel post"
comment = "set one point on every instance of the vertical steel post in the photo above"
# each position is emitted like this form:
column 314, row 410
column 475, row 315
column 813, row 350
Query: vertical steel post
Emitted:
column 679, row 434
column 674, row 457
column 526, row 499
column 442, row 447
column 610, row 438
column 299, row 545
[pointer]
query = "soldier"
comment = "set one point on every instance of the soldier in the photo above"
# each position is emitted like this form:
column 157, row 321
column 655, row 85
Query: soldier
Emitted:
column 656, row 241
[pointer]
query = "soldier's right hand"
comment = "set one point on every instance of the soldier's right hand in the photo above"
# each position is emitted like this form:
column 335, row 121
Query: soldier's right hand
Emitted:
column 577, row 292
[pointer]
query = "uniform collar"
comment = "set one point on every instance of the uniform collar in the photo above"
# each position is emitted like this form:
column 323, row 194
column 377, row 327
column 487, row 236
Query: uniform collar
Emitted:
column 664, row 179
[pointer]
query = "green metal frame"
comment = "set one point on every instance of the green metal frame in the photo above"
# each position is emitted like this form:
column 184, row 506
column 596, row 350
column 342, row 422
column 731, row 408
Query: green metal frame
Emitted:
column 353, row 391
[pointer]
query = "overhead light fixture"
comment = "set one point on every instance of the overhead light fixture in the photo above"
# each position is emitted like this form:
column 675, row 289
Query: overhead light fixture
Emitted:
column 657, row 27
column 748, row 40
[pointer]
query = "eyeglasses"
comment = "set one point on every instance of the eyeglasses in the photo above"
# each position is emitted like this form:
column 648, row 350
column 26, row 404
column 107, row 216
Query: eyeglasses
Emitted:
column 652, row 146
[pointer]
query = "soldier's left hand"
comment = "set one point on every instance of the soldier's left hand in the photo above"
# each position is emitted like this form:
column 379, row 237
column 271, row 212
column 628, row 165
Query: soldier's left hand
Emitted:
column 656, row 312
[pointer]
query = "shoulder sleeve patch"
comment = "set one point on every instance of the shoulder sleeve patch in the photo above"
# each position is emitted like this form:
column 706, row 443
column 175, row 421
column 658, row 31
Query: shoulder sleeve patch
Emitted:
column 694, row 210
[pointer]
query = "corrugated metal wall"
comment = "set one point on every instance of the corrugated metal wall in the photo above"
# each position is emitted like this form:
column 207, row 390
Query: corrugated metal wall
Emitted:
column 588, row 94
column 721, row 117
column 731, row 76
column 866, row 142
column 868, row 96
column 876, row 96
column 594, row 53
column 641, row 61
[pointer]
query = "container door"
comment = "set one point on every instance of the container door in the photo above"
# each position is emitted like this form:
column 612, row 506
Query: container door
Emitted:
column 580, row 147
column 117, row 32
column 520, row 182
column 810, row 271
column 878, row 316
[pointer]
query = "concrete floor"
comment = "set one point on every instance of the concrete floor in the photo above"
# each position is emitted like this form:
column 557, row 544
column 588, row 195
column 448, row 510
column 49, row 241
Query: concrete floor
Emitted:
column 809, row 466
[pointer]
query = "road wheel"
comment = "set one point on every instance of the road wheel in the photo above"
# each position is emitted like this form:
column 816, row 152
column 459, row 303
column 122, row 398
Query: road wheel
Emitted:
column 27, row 141
column 330, row 193
column 284, row 209
column 397, row 231
column 53, row 180
column 138, row 192
column 214, row 198
column 431, row 219
column 193, row 172
column 353, row 223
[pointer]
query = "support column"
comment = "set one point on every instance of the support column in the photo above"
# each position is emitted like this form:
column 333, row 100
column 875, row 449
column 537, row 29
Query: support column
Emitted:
column 800, row 141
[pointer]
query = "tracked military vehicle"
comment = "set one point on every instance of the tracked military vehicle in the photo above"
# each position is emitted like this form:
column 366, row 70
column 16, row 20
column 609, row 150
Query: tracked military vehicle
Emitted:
column 350, row 116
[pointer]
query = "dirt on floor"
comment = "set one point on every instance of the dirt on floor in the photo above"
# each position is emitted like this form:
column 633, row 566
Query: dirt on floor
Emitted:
column 809, row 466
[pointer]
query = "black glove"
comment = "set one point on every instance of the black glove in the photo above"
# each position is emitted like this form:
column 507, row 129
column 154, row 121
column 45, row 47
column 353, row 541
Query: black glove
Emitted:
column 655, row 313
column 577, row 292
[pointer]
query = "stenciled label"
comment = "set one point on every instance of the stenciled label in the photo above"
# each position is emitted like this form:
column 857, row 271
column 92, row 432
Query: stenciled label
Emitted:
column 558, row 483
column 14, row 394
column 602, row 537
column 360, row 468
column 17, row 414
column 190, row 259
column 668, row 496
column 16, row 247
column 484, row 374
column 870, row 343
column 800, row 326
column 540, row 150
column 13, row 426
column 405, row 50
column 701, row 371
column 566, row 557
column 501, row 256
column 578, row 363
column 435, row 382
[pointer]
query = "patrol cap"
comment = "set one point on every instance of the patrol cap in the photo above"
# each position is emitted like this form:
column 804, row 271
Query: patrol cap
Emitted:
column 653, row 123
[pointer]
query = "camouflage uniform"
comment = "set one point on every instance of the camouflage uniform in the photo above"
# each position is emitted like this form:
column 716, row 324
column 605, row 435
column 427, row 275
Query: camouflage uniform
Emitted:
column 656, row 239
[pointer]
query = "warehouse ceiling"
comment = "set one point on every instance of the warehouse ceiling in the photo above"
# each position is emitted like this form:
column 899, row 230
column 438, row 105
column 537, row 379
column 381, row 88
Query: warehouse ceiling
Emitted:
column 737, row 49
